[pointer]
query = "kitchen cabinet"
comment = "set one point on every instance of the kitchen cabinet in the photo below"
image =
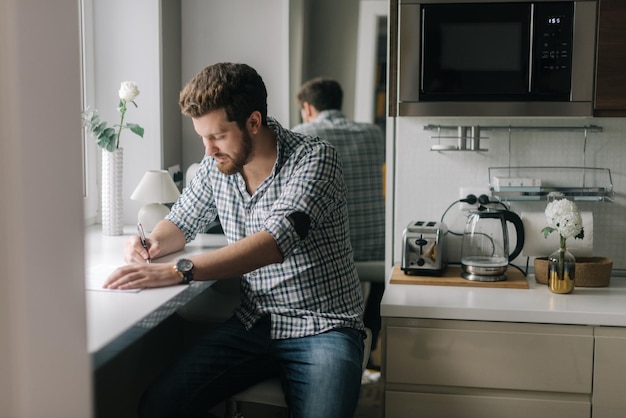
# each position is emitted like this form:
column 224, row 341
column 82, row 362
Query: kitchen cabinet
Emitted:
column 465, row 351
column 610, row 97
column 457, row 369
column 609, row 373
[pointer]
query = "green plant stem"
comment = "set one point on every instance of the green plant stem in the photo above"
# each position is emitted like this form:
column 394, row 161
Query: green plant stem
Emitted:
column 119, row 130
column 561, row 264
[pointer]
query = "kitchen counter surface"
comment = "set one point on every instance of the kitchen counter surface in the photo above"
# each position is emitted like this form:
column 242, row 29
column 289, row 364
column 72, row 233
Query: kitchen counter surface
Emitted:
column 585, row 306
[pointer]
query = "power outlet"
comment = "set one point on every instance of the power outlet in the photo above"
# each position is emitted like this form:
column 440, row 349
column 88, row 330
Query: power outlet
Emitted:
column 476, row 191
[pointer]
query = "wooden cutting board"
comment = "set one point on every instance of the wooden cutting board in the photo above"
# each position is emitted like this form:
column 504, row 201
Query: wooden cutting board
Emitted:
column 452, row 277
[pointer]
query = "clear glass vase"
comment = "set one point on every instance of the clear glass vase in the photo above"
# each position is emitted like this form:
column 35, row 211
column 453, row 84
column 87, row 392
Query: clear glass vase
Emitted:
column 561, row 271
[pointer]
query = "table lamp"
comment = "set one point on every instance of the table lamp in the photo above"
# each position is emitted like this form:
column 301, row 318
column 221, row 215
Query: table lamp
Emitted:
column 155, row 188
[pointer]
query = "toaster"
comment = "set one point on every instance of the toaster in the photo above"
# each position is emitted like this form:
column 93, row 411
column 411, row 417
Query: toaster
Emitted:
column 423, row 249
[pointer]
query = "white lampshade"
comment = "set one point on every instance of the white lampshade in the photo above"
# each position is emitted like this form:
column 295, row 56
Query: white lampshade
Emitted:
column 155, row 188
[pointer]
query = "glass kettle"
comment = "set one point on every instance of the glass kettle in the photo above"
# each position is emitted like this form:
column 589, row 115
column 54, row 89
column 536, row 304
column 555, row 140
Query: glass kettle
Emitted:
column 485, row 252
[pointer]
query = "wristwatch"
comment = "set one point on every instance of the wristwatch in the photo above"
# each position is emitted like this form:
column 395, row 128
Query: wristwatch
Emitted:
column 184, row 267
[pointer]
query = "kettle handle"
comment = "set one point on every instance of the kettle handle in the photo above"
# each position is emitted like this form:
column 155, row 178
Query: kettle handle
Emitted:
column 519, row 232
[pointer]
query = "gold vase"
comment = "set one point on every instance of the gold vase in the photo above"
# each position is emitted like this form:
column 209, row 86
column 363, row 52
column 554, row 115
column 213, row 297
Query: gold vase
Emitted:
column 561, row 271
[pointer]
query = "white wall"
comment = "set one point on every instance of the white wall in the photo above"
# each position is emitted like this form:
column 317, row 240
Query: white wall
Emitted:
column 127, row 47
column 44, row 366
column 427, row 182
column 171, row 118
column 248, row 31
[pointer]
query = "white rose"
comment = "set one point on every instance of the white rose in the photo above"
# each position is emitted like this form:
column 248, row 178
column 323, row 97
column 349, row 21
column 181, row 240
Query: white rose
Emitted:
column 128, row 91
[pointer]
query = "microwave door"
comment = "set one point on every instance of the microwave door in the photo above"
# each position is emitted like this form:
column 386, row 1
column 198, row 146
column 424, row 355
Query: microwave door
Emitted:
column 475, row 51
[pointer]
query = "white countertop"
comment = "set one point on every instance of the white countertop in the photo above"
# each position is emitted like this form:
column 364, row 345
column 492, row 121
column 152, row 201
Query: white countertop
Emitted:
column 110, row 314
column 584, row 306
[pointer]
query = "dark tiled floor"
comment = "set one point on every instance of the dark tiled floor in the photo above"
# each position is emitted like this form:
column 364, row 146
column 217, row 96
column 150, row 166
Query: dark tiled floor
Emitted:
column 371, row 399
column 370, row 402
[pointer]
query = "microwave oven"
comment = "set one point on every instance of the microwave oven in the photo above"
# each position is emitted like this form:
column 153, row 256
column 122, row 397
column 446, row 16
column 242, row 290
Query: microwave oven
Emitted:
column 496, row 58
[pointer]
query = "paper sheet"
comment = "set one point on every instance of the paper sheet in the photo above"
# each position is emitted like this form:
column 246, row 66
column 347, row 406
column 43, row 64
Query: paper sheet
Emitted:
column 96, row 276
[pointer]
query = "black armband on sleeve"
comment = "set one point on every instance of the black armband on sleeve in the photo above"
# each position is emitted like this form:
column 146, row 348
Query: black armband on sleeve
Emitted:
column 301, row 223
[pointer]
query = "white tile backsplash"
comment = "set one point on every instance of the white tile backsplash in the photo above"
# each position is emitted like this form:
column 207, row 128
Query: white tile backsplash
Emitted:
column 427, row 182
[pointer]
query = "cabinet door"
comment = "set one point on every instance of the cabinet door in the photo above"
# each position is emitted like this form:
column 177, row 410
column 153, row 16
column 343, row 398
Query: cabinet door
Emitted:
column 611, row 59
column 609, row 373
column 547, row 358
column 437, row 405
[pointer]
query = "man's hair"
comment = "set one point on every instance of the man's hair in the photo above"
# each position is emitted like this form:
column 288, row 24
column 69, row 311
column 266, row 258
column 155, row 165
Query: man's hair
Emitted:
column 322, row 93
column 236, row 88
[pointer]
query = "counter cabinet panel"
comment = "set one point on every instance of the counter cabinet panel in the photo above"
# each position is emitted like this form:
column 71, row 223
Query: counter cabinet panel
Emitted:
column 545, row 358
column 436, row 368
column 609, row 373
column 438, row 405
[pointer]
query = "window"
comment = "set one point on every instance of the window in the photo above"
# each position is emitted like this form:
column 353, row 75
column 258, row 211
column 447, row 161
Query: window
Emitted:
column 90, row 154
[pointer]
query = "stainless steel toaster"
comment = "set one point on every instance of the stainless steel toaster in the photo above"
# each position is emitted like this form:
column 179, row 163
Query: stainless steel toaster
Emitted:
column 423, row 249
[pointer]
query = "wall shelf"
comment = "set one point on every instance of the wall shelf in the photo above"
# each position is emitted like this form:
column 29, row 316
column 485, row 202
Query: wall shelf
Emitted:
column 528, row 183
column 468, row 138
column 591, row 184
column 588, row 128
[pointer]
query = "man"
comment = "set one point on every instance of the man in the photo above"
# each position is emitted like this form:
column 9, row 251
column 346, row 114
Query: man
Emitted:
column 361, row 147
column 280, row 197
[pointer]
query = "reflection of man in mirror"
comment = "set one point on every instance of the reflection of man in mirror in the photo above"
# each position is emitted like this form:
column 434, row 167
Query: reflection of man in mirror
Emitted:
column 361, row 147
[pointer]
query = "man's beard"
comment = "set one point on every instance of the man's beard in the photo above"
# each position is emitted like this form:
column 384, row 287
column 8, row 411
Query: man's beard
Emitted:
column 235, row 164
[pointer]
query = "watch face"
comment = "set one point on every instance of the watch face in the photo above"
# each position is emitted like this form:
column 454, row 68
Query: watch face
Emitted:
column 184, row 265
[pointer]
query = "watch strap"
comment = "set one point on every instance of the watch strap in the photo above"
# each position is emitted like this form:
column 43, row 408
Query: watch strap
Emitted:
column 187, row 277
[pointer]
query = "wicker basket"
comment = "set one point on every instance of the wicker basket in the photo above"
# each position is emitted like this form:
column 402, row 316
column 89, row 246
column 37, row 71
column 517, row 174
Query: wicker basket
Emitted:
column 590, row 271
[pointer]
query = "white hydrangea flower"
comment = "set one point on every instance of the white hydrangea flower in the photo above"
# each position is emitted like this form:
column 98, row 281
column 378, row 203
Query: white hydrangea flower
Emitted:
column 563, row 216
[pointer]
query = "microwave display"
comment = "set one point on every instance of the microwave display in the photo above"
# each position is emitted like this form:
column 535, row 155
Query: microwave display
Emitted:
column 503, row 51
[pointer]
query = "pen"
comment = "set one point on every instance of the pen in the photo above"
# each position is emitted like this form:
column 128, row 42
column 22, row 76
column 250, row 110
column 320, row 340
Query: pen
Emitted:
column 142, row 238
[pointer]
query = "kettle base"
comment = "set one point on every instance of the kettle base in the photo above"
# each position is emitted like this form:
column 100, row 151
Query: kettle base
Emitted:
column 483, row 277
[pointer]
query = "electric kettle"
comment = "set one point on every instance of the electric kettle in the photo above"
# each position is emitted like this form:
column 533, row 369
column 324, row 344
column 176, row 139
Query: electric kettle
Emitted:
column 485, row 248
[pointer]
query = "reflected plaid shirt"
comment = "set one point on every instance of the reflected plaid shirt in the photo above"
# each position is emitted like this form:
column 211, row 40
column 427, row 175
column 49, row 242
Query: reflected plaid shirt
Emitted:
column 361, row 147
column 316, row 287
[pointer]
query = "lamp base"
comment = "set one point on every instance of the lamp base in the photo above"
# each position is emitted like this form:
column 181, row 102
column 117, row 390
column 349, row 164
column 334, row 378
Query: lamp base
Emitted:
column 150, row 215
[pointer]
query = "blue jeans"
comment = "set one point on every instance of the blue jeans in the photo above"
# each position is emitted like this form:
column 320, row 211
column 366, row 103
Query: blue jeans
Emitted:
column 321, row 374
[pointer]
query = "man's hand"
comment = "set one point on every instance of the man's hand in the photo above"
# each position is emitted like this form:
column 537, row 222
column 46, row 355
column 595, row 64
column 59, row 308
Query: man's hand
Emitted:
column 142, row 275
column 165, row 239
column 134, row 252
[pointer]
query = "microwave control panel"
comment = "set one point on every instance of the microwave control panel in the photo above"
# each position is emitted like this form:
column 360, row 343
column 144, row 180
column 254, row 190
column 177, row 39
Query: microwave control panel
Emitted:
column 553, row 33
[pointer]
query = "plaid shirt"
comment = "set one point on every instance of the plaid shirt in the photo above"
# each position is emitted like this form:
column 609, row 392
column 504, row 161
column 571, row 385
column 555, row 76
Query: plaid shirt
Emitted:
column 361, row 147
column 316, row 287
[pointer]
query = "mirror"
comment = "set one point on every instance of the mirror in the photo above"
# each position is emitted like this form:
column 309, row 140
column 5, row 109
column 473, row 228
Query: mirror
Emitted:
column 347, row 41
